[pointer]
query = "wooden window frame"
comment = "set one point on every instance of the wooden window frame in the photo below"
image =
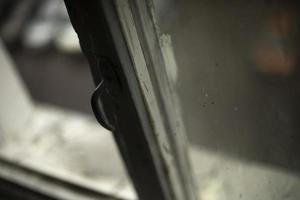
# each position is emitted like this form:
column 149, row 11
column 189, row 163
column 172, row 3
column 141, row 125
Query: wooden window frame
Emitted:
column 122, row 44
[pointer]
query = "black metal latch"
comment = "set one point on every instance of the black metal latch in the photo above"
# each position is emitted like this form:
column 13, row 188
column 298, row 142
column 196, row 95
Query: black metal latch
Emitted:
column 107, row 93
column 98, row 108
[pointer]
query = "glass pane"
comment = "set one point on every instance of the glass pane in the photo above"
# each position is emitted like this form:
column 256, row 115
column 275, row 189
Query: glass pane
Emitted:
column 238, row 80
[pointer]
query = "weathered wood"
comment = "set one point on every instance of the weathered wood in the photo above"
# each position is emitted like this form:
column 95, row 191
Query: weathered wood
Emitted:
column 101, row 37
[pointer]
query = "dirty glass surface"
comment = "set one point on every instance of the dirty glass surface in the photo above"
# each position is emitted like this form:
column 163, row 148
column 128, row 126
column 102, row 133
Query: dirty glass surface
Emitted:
column 239, row 84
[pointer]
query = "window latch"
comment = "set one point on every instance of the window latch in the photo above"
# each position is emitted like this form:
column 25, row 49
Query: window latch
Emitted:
column 107, row 94
column 97, row 106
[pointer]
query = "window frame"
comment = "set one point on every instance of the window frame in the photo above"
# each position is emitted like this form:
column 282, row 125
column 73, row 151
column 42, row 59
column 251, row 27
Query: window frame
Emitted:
column 122, row 44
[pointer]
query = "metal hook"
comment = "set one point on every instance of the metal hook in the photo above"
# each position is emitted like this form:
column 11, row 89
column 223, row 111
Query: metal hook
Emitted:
column 98, row 111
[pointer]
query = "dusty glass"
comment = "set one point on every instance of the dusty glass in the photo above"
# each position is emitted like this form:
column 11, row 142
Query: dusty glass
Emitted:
column 238, row 81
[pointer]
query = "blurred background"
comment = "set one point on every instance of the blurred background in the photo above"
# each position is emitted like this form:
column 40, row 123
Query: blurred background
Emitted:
column 51, row 147
column 45, row 49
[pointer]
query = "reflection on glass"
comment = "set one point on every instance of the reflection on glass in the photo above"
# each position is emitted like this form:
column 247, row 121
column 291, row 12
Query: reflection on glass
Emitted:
column 239, row 84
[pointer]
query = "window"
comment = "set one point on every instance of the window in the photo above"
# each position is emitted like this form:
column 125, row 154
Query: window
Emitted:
column 201, row 96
